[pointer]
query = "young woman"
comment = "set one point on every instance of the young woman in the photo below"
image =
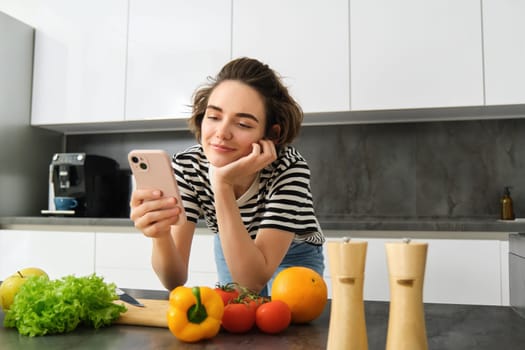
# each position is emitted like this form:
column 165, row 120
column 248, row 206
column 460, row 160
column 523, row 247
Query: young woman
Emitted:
column 251, row 187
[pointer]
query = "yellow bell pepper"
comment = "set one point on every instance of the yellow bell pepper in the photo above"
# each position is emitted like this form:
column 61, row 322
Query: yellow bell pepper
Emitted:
column 194, row 313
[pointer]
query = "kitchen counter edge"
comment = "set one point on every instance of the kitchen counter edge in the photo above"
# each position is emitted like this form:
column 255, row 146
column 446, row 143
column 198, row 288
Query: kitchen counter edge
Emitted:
column 430, row 225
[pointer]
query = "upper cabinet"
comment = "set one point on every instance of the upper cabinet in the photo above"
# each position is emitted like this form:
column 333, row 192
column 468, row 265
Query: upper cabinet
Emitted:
column 105, row 66
column 306, row 42
column 173, row 46
column 415, row 54
column 79, row 64
column 504, row 44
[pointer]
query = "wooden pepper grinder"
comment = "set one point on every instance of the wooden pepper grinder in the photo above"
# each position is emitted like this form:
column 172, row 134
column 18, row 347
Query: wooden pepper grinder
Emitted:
column 347, row 315
column 406, row 323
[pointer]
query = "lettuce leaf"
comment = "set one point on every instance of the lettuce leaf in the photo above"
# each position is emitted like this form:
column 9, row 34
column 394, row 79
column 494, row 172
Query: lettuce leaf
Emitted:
column 44, row 306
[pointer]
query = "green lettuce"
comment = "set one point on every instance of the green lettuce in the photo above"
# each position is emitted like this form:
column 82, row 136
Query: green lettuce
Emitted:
column 44, row 306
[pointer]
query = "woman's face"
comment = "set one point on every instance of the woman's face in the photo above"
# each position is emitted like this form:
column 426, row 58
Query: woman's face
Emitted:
column 234, row 119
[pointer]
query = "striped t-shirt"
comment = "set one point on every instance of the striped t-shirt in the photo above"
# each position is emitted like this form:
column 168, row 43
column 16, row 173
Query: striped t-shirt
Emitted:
column 279, row 198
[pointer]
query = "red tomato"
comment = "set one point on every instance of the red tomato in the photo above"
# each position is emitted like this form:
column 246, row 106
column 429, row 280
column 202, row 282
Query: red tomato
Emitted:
column 228, row 292
column 239, row 317
column 273, row 317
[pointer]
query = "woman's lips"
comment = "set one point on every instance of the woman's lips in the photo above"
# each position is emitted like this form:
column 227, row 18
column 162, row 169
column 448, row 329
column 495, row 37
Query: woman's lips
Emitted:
column 221, row 148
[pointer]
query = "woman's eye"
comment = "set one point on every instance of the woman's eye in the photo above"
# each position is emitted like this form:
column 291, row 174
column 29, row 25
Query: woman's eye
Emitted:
column 211, row 117
column 245, row 126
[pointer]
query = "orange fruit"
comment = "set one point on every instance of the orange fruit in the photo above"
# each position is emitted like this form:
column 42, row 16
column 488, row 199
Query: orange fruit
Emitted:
column 303, row 289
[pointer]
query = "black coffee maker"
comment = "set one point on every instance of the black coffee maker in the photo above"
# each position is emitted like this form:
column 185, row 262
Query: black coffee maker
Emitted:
column 95, row 183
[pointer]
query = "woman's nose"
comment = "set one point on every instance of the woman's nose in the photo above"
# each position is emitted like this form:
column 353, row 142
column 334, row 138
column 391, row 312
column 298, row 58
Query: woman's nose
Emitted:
column 223, row 131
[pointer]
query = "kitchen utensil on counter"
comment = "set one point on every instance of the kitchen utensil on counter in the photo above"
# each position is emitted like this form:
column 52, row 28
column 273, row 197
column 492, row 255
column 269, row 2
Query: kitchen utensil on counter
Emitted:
column 406, row 321
column 347, row 330
column 127, row 298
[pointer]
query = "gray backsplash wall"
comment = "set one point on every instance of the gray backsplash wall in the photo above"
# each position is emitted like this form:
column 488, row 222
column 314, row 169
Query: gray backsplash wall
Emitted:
column 399, row 170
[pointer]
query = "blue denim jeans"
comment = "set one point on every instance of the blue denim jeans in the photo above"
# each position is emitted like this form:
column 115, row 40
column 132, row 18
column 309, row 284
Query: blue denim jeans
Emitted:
column 299, row 254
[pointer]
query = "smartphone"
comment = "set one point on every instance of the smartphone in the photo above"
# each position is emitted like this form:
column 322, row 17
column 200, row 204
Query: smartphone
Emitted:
column 152, row 170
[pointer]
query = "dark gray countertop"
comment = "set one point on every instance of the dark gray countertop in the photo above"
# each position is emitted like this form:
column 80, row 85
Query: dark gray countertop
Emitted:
column 448, row 327
column 327, row 223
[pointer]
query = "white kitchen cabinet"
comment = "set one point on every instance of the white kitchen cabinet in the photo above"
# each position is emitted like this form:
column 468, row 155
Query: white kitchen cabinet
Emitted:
column 125, row 259
column 415, row 54
column 458, row 271
column 202, row 268
column 504, row 46
column 307, row 43
column 464, row 272
column 58, row 253
column 173, row 46
column 80, row 60
column 505, row 272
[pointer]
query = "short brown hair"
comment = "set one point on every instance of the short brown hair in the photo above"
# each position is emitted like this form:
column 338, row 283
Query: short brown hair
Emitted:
column 280, row 107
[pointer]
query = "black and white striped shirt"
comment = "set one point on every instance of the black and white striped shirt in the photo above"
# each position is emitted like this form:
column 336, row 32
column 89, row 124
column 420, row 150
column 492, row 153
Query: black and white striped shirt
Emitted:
column 279, row 198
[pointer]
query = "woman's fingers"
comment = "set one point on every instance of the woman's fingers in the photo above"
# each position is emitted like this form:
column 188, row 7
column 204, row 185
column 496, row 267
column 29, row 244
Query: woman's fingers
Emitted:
column 144, row 201
column 268, row 149
column 140, row 196
column 153, row 214
column 157, row 223
column 264, row 153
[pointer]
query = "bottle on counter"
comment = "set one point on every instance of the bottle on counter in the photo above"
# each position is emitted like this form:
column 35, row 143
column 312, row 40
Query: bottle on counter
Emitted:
column 507, row 211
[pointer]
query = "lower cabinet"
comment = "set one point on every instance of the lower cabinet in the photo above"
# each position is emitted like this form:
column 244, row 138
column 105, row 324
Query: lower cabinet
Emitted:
column 458, row 271
column 59, row 253
column 125, row 259
column 121, row 258
column 202, row 269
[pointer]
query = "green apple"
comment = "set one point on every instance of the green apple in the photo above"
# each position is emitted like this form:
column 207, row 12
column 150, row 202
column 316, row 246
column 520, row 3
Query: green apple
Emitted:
column 11, row 285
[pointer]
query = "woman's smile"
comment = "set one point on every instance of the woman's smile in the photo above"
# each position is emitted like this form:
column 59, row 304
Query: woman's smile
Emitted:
column 221, row 148
column 234, row 120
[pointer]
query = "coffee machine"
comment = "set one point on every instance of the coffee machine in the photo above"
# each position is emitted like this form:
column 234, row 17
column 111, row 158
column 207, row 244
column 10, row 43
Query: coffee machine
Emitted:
column 95, row 183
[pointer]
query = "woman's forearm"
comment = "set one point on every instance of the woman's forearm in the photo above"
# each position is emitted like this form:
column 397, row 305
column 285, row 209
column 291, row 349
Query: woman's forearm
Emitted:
column 245, row 261
column 167, row 262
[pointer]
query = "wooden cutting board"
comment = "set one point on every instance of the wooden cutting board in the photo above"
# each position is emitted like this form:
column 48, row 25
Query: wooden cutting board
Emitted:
column 153, row 314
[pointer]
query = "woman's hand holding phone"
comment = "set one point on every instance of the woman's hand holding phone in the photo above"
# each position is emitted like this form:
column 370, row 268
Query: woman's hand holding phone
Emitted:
column 152, row 213
column 156, row 203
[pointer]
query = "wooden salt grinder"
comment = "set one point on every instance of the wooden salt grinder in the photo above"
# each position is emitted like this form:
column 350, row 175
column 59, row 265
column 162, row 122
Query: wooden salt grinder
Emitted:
column 347, row 315
column 406, row 323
